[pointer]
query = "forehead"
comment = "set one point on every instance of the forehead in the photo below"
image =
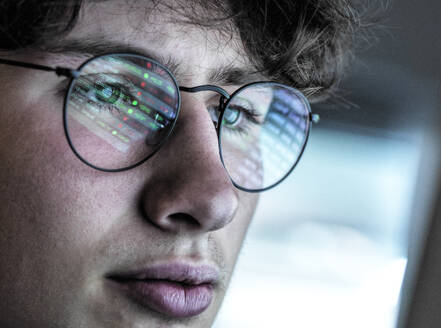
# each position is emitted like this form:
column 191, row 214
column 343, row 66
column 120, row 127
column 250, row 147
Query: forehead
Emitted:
column 191, row 51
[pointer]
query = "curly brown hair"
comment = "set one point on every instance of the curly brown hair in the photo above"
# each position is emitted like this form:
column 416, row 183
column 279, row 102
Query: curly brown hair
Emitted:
column 303, row 43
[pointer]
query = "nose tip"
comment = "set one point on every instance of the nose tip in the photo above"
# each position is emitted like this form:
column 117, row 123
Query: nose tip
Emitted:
column 191, row 206
column 217, row 204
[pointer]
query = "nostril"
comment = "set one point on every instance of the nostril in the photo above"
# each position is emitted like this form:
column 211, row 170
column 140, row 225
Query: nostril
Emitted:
column 178, row 222
column 184, row 220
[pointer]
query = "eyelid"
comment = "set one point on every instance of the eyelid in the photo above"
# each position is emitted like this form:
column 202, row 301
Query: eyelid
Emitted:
column 120, row 78
column 250, row 113
column 121, row 81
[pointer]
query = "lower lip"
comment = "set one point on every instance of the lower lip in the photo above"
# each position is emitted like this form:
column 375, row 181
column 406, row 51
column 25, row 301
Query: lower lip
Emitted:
column 170, row 298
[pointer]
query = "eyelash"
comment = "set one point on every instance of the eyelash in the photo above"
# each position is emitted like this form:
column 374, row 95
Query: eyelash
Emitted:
column 125, row 92
column 251, row 114
column 251, row 117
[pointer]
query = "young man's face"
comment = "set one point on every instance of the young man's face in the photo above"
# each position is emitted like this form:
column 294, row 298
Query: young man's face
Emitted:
column 68, row 231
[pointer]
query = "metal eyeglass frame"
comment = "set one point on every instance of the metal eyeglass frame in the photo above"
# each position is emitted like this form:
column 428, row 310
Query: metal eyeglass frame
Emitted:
column 225, row 98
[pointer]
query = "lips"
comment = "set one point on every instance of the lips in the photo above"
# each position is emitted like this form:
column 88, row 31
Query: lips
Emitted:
column 175, row 290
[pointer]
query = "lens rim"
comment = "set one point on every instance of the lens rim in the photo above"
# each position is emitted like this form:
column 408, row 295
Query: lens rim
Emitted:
column 308, row 129
column 69, row 91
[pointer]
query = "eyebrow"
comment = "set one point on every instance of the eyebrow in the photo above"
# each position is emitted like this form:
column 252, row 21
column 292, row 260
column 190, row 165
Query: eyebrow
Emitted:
column 224, row 75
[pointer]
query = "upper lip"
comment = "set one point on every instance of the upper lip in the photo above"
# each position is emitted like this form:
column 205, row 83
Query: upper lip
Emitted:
column 172, row 271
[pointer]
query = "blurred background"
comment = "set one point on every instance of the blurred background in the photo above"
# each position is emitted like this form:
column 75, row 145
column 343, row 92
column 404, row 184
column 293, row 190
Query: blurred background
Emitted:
column 329, row 246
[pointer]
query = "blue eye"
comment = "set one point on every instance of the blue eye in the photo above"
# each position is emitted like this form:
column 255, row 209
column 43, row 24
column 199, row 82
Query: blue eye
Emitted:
column 107, row 92
column 231, row 116
column 104, row 91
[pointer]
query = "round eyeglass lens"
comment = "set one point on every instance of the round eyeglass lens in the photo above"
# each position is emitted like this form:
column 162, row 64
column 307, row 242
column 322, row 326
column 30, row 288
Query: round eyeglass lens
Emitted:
column 120, row 110
column 263, row 132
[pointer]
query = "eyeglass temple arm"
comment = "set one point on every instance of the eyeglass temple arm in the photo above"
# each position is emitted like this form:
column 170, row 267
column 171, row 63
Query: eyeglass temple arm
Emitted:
column 63, row 71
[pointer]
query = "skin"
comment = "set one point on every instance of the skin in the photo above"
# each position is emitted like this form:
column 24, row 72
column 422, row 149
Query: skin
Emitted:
column 64, row 225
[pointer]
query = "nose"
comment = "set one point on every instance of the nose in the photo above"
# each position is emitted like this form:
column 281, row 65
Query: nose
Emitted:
column 189, row 188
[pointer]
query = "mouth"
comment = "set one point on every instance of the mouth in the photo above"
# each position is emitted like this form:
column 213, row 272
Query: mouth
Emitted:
column 173, row 289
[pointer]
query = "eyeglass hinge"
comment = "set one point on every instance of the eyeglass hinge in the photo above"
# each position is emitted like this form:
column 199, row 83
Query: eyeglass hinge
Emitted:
column 67, row 72
column 315, row 118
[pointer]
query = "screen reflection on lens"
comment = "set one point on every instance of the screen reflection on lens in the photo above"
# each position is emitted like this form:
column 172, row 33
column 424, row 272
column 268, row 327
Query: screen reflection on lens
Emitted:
column 265, row 143
column 120, row 110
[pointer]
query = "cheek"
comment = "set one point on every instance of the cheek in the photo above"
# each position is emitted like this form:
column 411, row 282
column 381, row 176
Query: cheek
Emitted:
column 48, row 196
column 34, row 154
column 54, row 209
column 31, row 125
column 233, row 235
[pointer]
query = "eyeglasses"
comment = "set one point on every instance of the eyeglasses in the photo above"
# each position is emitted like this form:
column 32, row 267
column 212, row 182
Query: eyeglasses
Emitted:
column 121, row 108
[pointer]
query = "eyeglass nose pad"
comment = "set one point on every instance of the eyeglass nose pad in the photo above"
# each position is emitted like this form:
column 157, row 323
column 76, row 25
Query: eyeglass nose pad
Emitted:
column 219, row 113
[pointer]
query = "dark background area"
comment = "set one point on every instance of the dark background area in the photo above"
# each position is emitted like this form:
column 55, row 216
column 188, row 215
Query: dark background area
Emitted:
column 394, row 82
